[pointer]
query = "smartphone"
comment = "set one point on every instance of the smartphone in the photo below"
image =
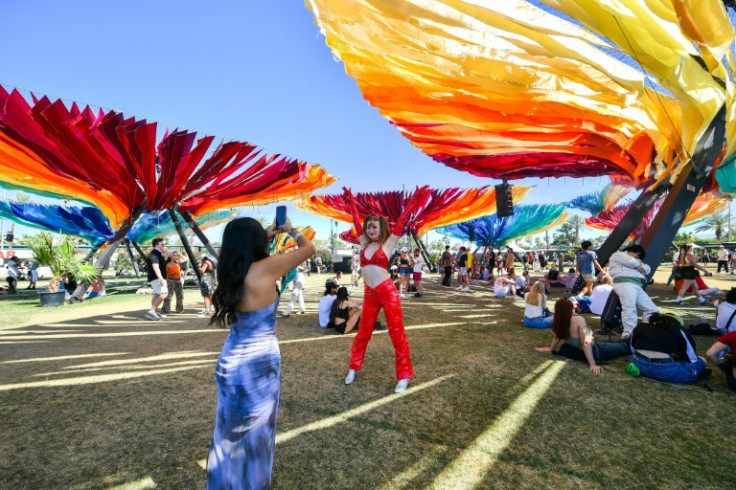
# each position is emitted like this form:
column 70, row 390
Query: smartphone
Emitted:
column 280, row 215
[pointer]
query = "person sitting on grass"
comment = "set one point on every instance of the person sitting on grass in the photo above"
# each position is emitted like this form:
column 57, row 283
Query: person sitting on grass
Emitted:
column 523, row 284
column 535, row 304
column 505, row 286
column 576, row 340
column 345, row 314
column 553, row 279
column 325, row 304
column 725, row 311
column 95, row 289
column 727, row 367
column 663, row 350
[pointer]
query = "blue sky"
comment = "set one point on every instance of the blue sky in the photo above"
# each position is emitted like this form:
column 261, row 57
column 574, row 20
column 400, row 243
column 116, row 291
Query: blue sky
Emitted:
column 246, row 70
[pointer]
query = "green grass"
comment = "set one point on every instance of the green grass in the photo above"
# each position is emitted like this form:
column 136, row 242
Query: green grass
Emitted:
column 93, row 396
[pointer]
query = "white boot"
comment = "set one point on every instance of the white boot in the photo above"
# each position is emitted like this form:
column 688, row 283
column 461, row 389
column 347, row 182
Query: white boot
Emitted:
column 350, row 377
column 401, row 385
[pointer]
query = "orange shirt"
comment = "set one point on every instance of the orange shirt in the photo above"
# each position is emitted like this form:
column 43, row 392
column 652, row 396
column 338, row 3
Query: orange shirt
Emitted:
column 173, row 271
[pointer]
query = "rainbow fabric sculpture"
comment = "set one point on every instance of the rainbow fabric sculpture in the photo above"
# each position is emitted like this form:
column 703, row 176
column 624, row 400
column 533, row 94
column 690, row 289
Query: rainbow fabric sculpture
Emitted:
column 541, row 88
column 492, row 231
column 114, row 163
column 442, row 207
column 153, row 224
column 87, row 222
column 705, row 205
column 597, row 202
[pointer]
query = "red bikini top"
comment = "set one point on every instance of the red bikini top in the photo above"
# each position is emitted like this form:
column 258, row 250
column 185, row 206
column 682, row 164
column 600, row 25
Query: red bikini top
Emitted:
column 378, row 258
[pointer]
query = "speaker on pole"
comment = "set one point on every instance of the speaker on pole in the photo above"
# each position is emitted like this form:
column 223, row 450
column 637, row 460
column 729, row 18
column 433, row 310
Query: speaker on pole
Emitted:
column 504, row 200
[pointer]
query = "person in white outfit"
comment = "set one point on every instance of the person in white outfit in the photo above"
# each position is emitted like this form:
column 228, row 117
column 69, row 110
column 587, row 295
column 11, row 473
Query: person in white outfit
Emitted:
column 296, row 293
column 629, row 275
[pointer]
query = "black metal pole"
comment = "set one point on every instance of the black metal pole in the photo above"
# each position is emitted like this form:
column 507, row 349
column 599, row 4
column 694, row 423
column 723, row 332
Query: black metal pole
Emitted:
column 659, row 235
column 197, row 231
column 103, row 261
column 132, row 259
column 185, row 242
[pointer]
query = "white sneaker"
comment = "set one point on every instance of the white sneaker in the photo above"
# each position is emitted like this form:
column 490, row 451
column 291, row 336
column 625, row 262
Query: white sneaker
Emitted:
column 466, row 288
column 204, row 313
column 151, row 316
column 350, row 377
column 161, row 315
column 459, row 288
column 402, row 385
column 403, row 296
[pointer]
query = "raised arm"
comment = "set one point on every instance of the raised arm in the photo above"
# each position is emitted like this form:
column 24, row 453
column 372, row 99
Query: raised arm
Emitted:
column 276, row 266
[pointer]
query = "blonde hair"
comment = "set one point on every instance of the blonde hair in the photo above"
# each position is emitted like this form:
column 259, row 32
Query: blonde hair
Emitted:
column 383, row 223
column 533, row 296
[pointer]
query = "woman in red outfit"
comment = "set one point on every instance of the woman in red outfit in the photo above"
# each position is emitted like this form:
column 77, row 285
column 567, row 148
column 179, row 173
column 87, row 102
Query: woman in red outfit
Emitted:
column 377, row 244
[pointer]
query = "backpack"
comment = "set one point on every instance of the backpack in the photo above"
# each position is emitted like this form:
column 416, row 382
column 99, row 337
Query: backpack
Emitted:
column 663, row 333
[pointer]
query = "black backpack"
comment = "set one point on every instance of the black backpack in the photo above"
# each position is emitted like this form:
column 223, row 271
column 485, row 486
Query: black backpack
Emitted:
column 663, row 333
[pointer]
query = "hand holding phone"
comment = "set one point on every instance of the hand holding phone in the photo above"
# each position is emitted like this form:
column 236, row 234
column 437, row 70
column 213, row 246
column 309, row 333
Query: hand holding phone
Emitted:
column 280, row 216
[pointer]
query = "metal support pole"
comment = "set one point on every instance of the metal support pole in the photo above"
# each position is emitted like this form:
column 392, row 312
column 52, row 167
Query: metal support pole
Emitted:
column 690, row 181
column 132, row 259
column 103, row 261
column 140, row 251
column 633, row 218
column 197, row 231
column 185, row 242
column 432, row 266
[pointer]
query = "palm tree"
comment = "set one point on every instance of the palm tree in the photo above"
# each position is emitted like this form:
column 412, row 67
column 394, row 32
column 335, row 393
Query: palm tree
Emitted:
column 716, row 222
column 577, row 222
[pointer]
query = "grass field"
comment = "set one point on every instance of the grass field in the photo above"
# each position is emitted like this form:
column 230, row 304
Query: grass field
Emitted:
column 94, row 396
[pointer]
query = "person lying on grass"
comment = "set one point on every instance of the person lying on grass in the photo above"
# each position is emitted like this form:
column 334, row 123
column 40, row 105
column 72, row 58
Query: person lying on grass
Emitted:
column 579, row 342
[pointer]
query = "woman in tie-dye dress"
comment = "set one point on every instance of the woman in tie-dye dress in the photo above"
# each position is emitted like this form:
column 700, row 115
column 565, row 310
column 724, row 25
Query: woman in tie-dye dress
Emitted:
column 248, row 373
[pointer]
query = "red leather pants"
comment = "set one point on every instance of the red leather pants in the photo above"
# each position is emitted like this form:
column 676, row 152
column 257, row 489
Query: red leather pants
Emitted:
column 384, row 295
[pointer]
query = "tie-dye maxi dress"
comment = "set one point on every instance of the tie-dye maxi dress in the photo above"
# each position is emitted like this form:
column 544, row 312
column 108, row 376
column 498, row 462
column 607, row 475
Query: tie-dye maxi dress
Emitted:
column 248, row 379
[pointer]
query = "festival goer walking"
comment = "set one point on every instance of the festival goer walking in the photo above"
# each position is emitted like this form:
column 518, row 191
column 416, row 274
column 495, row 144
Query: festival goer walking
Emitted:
column 462, row 270
column 586, row 264
column 207, row 284
column 706, row 258
column 687, row 266
column 32, row 274
column 446, row 264
column 377, row 242
column 722, row 256
column 417, row 273
column 248, row 372
column 173, row 282
column 155, row 265
column 405, row 266
column 297, row 293
column 355, row 269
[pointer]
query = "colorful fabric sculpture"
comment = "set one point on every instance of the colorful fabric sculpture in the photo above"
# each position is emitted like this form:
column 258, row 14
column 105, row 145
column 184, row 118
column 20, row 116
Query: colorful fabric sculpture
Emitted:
column 442, row 207
column 492, row 231
column 705, row 205
column 542, row 87
column 87, row 223
column 153, row 224
column 597, row 202
column 114, row 163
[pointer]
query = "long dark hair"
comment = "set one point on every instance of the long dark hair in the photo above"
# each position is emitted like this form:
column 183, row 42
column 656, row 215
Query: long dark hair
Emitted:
column 342, row 295
column 244, row 241
column 563, row 315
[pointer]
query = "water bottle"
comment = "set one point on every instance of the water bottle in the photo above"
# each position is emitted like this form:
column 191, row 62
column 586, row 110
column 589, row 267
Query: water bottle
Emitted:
column 632, row 369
